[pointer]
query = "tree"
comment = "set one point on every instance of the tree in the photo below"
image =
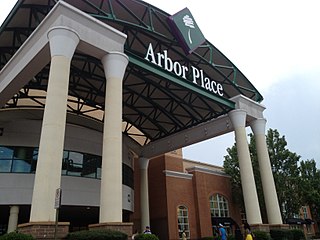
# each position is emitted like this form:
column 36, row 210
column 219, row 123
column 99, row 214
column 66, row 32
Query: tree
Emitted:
column 310, row 187
column 286, row 174
column 285, row 170
column 231, row 167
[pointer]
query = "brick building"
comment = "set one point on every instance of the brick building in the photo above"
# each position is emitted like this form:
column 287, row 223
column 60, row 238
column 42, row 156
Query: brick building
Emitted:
column 191, row 196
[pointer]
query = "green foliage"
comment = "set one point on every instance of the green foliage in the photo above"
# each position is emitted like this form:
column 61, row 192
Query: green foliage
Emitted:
column 207, row 238
column 310, row 186
column 16, row 236
column 146, row 237
column 231, row 167
column 281, row 234
column 297, row 234
column 97, row 235
column 284, row 234
column 286, row 174
column 231, row 237
column 260, row 235
column 292, row 192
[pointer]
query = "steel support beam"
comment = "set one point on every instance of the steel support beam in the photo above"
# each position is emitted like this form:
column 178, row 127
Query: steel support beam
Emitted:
column 187, row 137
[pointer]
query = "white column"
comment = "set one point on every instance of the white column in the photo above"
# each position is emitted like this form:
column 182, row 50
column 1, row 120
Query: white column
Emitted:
column 144, row 193
column 269, row 189
column 114, row 64
column 13, row 219
column 250, row 197
column 63, row 42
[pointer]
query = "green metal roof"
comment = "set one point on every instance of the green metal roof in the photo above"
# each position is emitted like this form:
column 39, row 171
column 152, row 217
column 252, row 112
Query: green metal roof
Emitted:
column 156, row 103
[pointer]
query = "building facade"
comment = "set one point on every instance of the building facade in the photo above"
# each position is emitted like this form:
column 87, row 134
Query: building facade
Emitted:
column 94, row 95
column 198, row 197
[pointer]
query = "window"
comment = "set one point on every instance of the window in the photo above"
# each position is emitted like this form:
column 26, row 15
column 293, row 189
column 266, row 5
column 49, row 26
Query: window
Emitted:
column 6, row 155
column 243, row 215
column 24, row 160
column 17, row 159
column 219, row 206
column 81, row 164
column 183, row 221
column 305, row 212
column 74, row 163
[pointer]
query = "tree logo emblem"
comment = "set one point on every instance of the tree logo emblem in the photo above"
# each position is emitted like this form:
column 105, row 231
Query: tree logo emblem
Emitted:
column 188, row 22
column 186, row 30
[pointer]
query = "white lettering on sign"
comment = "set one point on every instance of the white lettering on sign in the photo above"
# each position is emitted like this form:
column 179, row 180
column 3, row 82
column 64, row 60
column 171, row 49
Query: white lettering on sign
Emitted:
column 165, row 62
column 198, row 76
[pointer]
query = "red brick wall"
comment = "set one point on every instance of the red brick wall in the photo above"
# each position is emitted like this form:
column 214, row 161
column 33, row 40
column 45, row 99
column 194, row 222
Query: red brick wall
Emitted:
column 157, row 197
column 180, row 192
column 205, row 186
column 45, row 230
column 173, row 162
column 202, row 193
column 136, row 216
column 167, row 193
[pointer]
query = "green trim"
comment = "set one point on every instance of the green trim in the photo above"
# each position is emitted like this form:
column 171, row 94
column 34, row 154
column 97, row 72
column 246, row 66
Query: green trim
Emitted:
column 10, row 16
column 147, row 23
column 178, row 80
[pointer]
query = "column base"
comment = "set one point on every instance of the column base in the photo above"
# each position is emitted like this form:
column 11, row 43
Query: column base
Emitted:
column 45, row 230
column 268, row 227
column 126, row 228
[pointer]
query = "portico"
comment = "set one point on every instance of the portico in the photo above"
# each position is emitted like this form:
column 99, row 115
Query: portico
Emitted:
column 246, row 113
column 250, row 113
column 82, row 91
column 66, row 30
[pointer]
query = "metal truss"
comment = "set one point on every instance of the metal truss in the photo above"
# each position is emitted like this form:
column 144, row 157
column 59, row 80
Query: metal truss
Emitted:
column 156, row 103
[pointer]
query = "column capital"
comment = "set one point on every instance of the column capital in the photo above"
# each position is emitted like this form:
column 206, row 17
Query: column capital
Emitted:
column 258, row 126
column 63, row 41
column 143, row 163
column 115, row 64
column 238, row 118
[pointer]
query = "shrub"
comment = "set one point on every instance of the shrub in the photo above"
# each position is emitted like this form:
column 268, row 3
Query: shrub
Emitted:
column 297, row 234
column 281, row 234
column 146, row 237
column 231, row 237
column 260, row 235
column 16, row 236
column 97, row 235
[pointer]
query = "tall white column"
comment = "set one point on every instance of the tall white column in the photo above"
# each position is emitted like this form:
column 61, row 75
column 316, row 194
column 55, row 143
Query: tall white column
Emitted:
column 114, row 64
column 13, row 219
column 144, row 193
column 63, row 42
column 269, row 190
column 250, row 197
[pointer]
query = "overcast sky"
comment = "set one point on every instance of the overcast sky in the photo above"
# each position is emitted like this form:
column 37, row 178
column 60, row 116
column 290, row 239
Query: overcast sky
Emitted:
column 276, row 45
